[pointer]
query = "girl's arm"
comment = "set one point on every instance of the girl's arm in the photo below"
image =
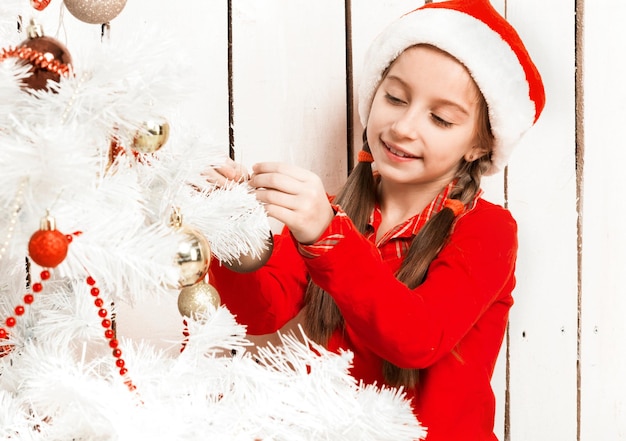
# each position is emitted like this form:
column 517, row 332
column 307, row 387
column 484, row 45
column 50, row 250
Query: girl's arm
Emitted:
column 414, row 328
column 266, row 299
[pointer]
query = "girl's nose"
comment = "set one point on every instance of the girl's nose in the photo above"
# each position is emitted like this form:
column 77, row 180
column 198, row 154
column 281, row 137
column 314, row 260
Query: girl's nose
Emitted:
column 406, row 124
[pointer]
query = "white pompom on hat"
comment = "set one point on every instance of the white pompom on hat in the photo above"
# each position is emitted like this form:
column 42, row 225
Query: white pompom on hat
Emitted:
column 474, row 33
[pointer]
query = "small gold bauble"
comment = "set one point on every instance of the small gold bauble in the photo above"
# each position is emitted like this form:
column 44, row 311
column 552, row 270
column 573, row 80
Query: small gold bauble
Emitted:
column 95, row 11
column 193, row 256
column 196, row 299
column 247, row 263
column 151, row 137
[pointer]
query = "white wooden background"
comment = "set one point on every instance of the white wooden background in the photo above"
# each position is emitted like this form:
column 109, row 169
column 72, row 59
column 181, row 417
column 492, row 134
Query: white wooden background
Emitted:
column 275, row 82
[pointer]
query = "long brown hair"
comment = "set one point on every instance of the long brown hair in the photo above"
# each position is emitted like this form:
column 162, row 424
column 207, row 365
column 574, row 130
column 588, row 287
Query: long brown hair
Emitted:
column 357, row 198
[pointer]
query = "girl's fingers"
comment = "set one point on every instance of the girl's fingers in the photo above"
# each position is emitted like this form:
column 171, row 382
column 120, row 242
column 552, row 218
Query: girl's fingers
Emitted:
column 229, row 171
column 293, row 171
column 279, row 213
column 275, row 181
column 233, row 170
column 284, row 177
column 278, row 198
column 214, row 177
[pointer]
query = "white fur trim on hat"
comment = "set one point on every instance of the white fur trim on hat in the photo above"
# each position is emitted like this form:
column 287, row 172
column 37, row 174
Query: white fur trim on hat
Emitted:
column 491, row 62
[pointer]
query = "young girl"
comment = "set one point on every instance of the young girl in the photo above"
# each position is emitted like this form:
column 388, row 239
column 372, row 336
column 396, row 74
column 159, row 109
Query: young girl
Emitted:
column 408, row 267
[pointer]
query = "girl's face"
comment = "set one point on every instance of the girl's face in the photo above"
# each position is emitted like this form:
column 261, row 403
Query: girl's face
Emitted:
column 423, row 118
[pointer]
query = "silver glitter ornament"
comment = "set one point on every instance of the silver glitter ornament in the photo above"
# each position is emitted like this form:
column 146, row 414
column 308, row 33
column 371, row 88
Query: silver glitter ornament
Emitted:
column 95, row 11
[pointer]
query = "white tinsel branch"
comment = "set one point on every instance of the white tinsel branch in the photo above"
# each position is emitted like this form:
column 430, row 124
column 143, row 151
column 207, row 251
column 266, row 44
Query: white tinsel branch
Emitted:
column 284, row 393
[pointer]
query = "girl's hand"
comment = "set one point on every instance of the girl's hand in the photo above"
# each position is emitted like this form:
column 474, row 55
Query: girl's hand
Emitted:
column 229, row 171
column 294, row 196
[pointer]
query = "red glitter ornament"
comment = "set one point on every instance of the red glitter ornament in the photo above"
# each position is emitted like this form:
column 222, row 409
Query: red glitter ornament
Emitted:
column 48, row 246
column 40, row 5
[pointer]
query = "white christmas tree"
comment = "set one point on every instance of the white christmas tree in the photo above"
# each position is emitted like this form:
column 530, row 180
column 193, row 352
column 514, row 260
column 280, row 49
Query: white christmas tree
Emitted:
column 104, row 203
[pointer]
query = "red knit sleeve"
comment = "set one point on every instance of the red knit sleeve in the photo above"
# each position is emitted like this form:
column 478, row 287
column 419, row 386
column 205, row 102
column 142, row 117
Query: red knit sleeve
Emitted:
column 266, row 299
column 415, row 328
column 329, row 238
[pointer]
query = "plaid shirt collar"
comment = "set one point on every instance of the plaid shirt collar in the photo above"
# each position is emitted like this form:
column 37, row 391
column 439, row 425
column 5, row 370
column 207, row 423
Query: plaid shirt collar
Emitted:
column 411, row 226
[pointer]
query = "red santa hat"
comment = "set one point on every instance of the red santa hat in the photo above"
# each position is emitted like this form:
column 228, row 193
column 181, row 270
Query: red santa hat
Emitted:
column 474, row 33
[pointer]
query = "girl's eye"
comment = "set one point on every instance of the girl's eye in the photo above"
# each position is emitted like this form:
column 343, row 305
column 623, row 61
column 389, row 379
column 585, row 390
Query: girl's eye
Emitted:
column 393, row 99
column 440, row 121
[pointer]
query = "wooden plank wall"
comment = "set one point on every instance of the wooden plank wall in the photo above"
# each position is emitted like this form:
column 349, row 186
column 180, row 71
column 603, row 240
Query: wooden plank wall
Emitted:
column 276, row 80
column 603, row 295
column 542, row 196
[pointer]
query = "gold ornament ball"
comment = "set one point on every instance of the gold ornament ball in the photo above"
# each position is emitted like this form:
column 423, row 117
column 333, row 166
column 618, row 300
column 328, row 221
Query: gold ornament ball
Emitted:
column 247, row 263
column 95, row 11
column 193, row 256
column 196, row 299
column 151, row 137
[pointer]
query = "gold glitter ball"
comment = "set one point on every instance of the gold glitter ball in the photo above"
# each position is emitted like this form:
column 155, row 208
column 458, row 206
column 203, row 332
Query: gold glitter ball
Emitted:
column 197, row 299
column 95, row 11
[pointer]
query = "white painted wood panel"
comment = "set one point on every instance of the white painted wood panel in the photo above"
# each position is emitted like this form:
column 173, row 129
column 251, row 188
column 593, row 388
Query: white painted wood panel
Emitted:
column 199, row 31
column 289, row 85
column 542, row 197
column 603, row 360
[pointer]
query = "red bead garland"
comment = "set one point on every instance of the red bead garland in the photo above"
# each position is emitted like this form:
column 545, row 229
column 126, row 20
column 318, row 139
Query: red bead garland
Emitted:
column 19, row 311
column 106, row 323
column 4, row 349
column 109, row 333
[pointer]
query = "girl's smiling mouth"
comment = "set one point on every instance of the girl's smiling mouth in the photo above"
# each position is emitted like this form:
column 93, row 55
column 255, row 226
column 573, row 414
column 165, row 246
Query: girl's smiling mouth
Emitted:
column 397, row 153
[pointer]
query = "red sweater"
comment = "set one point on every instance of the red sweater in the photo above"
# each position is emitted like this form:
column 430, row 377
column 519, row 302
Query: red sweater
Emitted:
column 462, row 305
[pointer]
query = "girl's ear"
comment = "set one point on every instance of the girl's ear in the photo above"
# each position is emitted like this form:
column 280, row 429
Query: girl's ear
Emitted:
column 476, row 152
